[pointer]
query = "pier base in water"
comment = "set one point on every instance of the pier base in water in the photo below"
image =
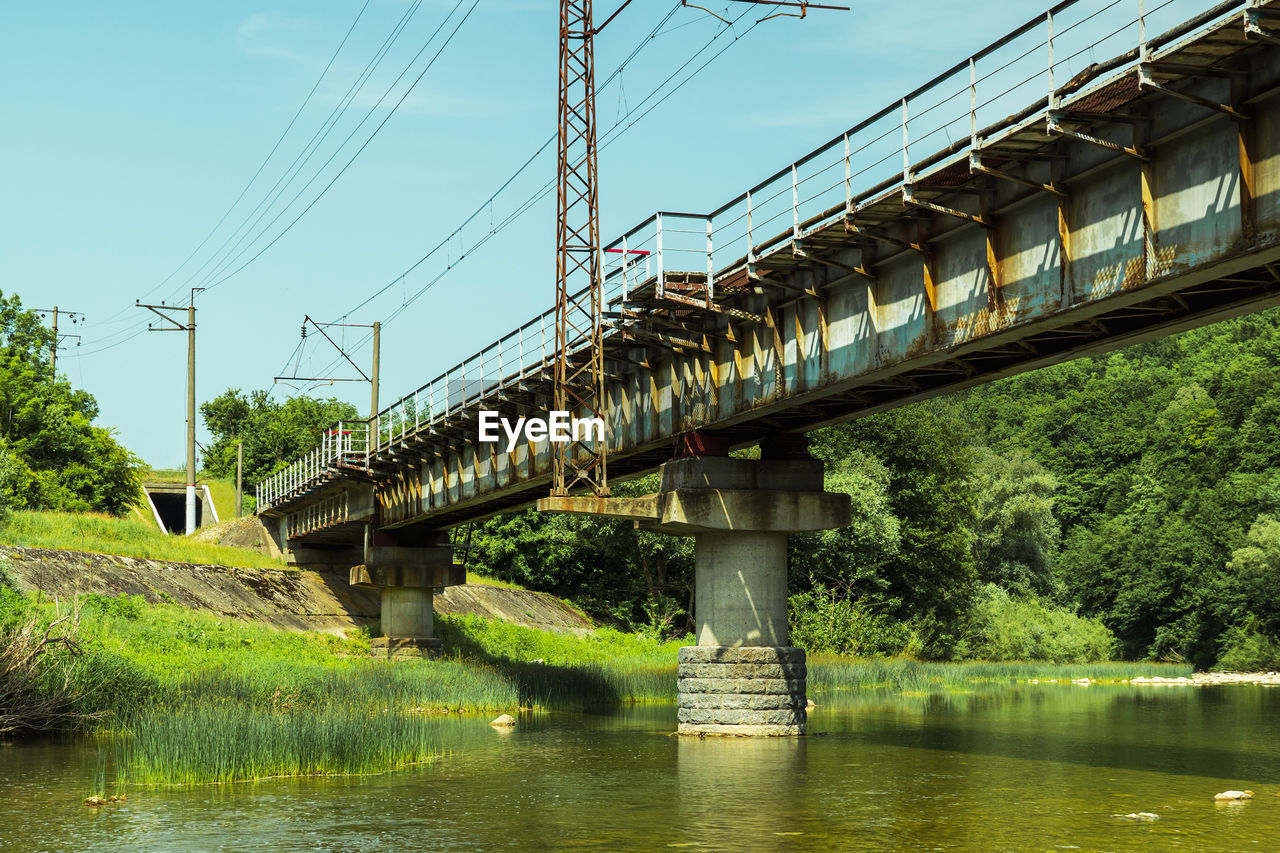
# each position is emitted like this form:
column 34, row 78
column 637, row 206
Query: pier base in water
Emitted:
column 751, row 691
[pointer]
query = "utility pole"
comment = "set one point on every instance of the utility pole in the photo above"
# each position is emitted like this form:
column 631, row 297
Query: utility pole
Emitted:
column 74, row 317
column 239, row 477
column 579, row 367
column 162, row 310
column 371, row 377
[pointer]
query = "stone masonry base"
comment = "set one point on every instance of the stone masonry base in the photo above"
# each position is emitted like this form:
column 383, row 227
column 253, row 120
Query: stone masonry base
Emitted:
column 750, row 691
column 395, row 648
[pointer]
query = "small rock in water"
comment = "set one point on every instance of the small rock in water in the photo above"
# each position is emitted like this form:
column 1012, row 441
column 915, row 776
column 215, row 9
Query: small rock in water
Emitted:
column 1234, row 795
column 504, row 721
column 1138, row 816
column 812, row 704
column 94, row 802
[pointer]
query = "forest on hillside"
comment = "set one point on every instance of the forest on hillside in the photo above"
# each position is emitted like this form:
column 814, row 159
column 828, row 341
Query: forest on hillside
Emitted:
column 1127, row 504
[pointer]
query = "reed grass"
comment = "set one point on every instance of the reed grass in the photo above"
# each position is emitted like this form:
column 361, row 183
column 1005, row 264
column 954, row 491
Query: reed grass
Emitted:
column 126, row 537
column 231, row 742
column 832, row 673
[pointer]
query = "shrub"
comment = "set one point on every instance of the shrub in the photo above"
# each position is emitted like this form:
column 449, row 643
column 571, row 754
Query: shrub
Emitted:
column 1246, row 648
column 821, row 621
column 1008, row 628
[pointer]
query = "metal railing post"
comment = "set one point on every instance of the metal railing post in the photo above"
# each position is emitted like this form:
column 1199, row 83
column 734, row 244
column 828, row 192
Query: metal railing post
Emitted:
column 973, row 102
column 848, row 173
column 711, row 272
column 751, row 242
column 795, row 203
column 906, row 157
column 661, row 285
column 1053, row 97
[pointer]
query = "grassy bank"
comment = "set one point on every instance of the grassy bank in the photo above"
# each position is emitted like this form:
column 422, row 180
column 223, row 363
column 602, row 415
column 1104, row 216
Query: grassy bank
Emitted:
column 189, row 697
column 125, row 537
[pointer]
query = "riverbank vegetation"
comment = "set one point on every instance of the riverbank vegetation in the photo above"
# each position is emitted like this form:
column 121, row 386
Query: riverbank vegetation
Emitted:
column 187, row 697
column 127, row 537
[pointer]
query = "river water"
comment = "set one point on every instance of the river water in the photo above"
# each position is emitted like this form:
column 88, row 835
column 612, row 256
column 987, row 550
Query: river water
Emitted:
column 1034, row 767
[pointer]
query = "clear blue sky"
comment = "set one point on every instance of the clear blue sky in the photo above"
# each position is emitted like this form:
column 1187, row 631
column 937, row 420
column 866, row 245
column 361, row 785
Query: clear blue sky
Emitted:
column 131, row 127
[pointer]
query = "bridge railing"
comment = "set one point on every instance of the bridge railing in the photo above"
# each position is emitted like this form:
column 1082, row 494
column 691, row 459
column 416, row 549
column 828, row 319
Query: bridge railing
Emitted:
column 1014, row 79
column 343, row 443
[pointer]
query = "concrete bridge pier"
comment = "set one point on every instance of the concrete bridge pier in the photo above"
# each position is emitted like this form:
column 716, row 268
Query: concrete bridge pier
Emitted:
column 742, row 678
column 408, row 576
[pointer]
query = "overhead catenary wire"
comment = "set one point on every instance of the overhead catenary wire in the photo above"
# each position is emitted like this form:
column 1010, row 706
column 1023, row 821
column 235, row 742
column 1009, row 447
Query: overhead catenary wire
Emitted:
column 610, row 136
column 221, row 277
column 290, row 172
column 262, row 166
column 108, row 342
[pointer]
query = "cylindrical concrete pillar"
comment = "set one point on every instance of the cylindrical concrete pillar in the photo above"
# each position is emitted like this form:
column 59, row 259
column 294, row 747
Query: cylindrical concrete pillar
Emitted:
column 407, row 612
column 741, row 588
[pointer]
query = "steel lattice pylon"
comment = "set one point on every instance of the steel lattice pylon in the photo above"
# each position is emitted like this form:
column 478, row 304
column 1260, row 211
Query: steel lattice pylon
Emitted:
column 579, row 369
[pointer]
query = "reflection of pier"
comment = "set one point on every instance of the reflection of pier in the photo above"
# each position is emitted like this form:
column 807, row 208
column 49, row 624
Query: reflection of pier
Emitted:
column 729, row 786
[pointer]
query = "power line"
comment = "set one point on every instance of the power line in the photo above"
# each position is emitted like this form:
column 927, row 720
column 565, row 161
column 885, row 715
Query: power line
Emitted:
column 299, row 161
column 287, row 178
column 271, row 153
column 114, row 339
column 363, row 145
column 610, row 136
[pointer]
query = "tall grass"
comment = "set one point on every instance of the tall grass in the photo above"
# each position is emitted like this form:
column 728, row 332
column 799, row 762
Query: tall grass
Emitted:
column 231, row 742
column 831, row 673
column 126, row 537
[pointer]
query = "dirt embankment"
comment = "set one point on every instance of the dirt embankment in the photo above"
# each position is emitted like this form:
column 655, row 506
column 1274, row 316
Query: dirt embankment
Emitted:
column 285, row 598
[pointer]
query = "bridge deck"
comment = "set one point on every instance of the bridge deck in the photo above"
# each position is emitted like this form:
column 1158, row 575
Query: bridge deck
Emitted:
column 1139, row 198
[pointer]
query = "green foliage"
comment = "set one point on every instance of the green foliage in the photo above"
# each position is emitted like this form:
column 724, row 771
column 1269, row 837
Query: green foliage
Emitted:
column 1165, row 455
column 823, row 622
column 1006, row 628
column 128, row 537
column 51, row 454
column 927, row 568
column 121, row 606
column 274, row 434
column 1245, row 648
column 1016, row 533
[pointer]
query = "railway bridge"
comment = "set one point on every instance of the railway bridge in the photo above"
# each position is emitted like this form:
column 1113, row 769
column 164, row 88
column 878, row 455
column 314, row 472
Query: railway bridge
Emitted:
column 1106, row 174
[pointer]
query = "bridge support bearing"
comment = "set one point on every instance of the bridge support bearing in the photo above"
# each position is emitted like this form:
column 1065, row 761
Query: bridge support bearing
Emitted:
column 408, row 578
column 742, row 678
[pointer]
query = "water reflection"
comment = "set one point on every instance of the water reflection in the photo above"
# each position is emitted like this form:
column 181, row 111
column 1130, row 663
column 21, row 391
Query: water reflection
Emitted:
column 740, row 793
column 1035, row 767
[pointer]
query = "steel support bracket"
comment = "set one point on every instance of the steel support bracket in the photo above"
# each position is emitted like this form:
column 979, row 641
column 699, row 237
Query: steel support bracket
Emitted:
column 1148, row 83
column 1254, row 24
column 851, row 227
column 976, row 166
column 1054, row 127
column 798, row 251
column 713, row 308
column 909, row 199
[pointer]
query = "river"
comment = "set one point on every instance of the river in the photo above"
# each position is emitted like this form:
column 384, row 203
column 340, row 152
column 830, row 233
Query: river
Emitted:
column 1032, row 767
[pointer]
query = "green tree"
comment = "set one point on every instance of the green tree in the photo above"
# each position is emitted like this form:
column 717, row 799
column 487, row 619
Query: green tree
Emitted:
column 931, row 573
column 274, row 434
column 1016, row 533
column 55, row 457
